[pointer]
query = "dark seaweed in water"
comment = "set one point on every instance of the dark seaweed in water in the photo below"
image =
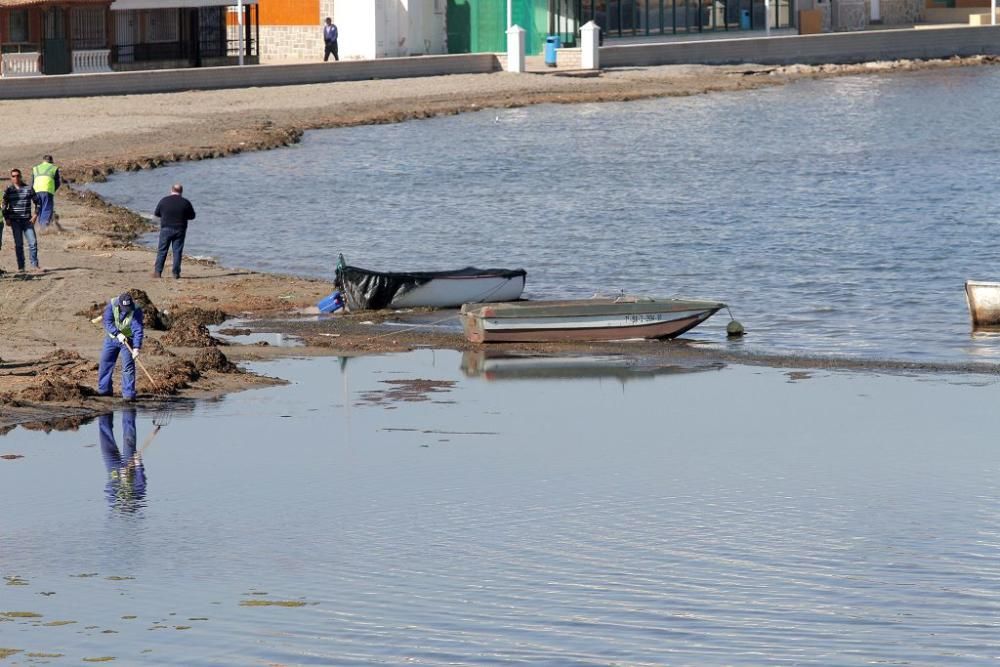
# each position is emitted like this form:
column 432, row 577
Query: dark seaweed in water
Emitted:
column 188, row 327
column 190, row 334
column 212, row 359
column 52, row 389
column 195, row 315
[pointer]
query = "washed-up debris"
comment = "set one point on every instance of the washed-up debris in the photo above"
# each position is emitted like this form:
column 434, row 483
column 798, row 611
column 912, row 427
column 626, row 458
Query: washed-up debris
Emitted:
column 212, row 359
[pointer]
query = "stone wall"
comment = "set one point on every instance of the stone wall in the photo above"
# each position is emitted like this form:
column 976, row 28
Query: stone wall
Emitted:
column 290, row 43
column 899, row 12
column 849, row 15
column 296, row 43
column 825, row 8
column 846, row 15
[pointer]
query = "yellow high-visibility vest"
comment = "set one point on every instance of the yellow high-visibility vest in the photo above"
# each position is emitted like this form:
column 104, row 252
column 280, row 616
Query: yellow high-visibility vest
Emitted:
column 124, row 325
column 43, row 177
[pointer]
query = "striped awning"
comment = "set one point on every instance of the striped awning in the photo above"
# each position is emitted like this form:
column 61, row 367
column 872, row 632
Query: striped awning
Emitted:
column 173, row 4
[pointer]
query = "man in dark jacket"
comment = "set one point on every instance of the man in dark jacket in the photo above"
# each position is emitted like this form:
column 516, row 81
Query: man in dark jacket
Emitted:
column 18, row 201
column 330, row 39
column 174, row 212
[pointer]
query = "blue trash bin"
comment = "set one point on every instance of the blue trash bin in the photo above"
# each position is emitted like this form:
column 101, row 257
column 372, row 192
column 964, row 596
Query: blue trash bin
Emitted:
column 744, row 19
column 551, row 44
column 332, row 303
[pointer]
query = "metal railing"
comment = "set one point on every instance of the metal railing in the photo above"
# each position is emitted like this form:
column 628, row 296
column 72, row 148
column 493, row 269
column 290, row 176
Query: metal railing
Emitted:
column 140, row 53
column 180, row 50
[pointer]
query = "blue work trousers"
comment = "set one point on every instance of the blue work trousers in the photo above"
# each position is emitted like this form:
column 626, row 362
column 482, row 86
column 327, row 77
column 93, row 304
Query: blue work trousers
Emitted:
column 23, row 229
column 46, row 208
column 171, row 238
column 106, row 370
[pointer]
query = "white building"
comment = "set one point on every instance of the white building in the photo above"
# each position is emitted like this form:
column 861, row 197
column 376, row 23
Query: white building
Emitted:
column 292, row 30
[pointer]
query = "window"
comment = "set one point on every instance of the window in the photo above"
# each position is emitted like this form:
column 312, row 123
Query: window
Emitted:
column 18, row 31
column 87, row 26
column 162, row 25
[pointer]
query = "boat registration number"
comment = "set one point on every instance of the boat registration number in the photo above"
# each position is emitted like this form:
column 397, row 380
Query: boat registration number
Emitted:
column 642, row 318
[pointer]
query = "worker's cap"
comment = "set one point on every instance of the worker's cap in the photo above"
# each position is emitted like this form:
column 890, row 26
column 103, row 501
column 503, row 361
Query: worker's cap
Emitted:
column 125, row 301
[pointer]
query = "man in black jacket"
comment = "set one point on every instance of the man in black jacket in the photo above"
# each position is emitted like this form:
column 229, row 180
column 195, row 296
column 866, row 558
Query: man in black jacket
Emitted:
column 174, row 212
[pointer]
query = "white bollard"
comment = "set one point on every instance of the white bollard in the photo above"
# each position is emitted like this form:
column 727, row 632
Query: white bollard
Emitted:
column 590, row 37
column 515, row 49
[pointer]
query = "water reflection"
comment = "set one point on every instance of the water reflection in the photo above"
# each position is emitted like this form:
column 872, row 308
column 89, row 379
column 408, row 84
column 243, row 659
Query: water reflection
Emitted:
column 510, row 366
column 125, row 487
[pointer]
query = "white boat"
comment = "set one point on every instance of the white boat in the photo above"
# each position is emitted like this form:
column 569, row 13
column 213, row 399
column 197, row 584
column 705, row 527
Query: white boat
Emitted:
column 584, row 319
column 984, row 303
column 373, row 290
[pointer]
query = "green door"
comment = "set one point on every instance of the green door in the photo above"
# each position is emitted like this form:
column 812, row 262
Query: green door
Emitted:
column 459, row 18
column 55, row 50
column 477, row 26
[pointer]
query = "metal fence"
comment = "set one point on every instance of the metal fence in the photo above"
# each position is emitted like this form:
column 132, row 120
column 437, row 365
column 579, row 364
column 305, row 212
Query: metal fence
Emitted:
column 211, row 47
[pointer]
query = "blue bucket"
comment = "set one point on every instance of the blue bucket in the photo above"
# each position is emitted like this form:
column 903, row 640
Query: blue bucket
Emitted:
column 331, row 304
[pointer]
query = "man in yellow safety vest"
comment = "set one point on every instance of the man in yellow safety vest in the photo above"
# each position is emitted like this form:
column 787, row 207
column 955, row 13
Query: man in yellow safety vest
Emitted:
column 45, row 181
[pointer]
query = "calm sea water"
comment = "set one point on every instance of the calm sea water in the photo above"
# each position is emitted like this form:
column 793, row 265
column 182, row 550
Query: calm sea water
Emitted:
column 566, row 512
column 523, row 520
column 837, row 217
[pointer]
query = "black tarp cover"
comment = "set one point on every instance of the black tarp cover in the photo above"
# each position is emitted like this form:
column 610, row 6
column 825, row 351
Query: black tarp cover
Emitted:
column 374, row 290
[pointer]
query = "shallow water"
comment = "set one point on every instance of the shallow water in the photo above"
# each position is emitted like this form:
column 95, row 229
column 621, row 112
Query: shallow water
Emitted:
column 838, row 217
column 711, row 515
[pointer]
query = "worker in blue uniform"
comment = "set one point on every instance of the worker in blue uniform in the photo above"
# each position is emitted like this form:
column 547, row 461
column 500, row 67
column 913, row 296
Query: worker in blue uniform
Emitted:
column 122, row 323
column 126, row 482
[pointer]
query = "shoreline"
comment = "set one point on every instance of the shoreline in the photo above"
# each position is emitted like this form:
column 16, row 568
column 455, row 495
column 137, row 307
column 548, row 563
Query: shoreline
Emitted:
column 47, row 367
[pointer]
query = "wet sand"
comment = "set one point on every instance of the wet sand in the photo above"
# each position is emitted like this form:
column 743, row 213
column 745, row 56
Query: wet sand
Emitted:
column 48, row 355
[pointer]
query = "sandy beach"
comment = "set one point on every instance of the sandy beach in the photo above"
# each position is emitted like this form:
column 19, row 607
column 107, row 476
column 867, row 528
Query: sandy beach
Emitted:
column 48, row 354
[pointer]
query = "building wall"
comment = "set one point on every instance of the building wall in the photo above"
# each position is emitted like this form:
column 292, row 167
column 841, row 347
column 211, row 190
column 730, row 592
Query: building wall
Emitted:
column 843, row 15
column 902, row 12
column 289, row 12
column 355, row 21
column 367, row 28
column 480, row 26
column 292, row 30
column 408, row 28
column 293, row 43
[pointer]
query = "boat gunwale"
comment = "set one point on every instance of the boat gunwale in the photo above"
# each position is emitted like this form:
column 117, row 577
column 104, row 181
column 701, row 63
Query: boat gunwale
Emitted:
column 476, row 333
column 587, row 307
column 453, row 274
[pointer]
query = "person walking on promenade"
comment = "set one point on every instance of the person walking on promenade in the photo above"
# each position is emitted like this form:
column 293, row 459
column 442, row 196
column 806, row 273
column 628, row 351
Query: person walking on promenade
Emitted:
column 330, row 39
column 174, row 212
column 18, row 198
column 45, row 180
column 122, row 323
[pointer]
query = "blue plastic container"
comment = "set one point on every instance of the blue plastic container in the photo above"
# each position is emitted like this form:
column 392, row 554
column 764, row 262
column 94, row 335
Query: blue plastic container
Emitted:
column 551, row 44
column 331, row 304
column 744, row 19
